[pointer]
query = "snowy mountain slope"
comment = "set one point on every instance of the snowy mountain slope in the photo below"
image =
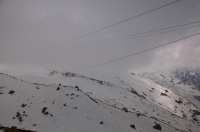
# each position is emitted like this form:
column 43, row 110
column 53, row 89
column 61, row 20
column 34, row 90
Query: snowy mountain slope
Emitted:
column 65, row 108
column 180, row 85
column 136, row 94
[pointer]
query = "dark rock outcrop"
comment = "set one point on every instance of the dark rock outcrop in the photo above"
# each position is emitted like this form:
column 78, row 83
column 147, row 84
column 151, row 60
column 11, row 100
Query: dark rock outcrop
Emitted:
column 132, row 126
column 158, row 127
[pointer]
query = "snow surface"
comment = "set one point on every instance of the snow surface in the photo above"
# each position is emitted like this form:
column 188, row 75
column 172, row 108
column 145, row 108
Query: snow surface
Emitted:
column 139, row 95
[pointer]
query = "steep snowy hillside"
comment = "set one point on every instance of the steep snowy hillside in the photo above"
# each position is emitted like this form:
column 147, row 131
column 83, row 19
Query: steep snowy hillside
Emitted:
column 50, row 108
column 183, row 83
column 132, row 93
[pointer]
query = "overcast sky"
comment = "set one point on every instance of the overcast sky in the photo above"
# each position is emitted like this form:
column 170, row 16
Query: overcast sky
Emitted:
column 33, row 35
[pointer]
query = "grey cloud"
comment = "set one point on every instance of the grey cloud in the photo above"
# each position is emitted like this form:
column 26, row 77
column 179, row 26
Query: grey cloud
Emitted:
column 31, row 33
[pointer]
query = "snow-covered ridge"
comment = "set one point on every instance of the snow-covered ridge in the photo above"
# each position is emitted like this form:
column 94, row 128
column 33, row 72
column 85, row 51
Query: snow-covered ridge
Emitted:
column 130, row 83
column 63, row 107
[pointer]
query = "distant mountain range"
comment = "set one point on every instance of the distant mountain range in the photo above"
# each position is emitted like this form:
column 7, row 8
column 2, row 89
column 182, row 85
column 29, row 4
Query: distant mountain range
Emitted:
column 191, row 78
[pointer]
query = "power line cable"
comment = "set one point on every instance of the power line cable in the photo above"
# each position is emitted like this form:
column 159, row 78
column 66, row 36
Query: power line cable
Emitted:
column 138, row 33
column 123, row 21
column 74, row 46
column 137, row 52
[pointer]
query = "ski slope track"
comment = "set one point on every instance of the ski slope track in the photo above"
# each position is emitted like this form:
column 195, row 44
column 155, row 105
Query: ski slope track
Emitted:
column 77, row 103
